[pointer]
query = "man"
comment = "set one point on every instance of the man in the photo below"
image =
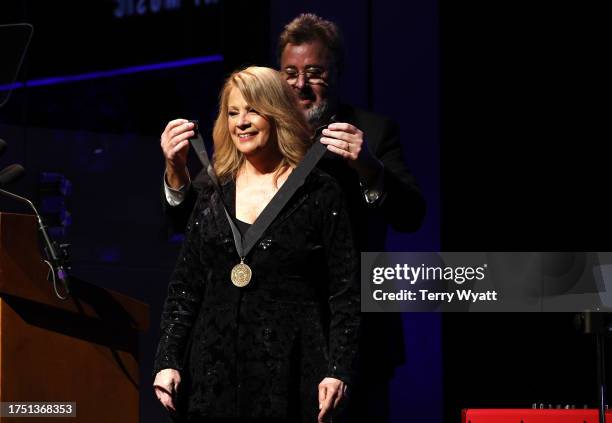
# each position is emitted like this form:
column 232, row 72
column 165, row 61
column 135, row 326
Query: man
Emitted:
column 364, row 156
column 365, row 152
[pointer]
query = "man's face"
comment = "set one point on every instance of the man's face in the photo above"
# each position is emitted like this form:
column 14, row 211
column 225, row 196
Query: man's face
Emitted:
column 309, row 71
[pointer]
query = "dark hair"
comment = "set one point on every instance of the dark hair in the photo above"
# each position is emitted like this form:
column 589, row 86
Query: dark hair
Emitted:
column 309, row 27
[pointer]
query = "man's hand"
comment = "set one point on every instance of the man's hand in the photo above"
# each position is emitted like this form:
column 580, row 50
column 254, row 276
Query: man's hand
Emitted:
column 348, row 141
column 175, row 145
column 166, row 385
column 331, row 392
column 344, row 140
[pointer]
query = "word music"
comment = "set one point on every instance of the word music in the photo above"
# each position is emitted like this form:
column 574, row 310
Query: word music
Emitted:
column 127, row 8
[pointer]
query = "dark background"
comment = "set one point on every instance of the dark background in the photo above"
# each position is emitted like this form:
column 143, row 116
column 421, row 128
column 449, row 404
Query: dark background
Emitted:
column 497, row 125
column 523, row 169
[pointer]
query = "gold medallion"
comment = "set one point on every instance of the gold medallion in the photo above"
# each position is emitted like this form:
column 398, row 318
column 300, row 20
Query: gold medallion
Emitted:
column 241, row 274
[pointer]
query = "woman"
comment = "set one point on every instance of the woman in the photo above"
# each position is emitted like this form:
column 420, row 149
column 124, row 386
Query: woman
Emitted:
column 283, row 347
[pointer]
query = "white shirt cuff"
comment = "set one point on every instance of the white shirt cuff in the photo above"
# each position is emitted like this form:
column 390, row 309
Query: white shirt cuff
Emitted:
column 175, row 197
column 373, row 193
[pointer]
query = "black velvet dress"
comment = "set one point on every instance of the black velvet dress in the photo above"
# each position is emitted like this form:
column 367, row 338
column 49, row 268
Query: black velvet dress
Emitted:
column 259, row 352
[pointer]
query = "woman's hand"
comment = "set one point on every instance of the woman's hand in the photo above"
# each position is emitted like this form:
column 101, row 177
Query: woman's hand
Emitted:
column 331, row 392
column 166, row 385
column 175, row 145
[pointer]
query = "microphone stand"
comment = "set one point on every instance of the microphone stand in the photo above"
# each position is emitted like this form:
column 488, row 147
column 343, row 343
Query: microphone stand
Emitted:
column 598, row 324
column 55, row 262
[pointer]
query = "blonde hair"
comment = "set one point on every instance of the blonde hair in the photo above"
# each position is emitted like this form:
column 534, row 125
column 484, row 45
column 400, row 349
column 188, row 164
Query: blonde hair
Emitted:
column 266, row 91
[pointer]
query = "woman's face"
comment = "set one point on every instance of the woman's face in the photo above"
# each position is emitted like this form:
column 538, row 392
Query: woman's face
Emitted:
column 249, row 130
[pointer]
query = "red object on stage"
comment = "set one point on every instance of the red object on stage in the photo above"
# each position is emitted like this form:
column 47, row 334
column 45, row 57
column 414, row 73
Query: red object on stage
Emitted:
column 529, row 415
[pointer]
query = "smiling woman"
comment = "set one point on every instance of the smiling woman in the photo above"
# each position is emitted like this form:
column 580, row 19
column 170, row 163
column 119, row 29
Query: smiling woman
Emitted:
column 267, row 333
column 257, row 99
column 249, row 130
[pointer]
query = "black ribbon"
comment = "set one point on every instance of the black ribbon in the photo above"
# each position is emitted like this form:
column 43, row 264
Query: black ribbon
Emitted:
column 266, row 217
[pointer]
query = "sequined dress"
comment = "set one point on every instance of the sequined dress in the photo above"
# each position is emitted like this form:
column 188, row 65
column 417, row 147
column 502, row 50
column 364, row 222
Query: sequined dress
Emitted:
column 261, row 351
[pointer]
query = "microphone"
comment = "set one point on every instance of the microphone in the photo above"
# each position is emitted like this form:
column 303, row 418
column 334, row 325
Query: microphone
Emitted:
column 2, row 146
column 10, row 173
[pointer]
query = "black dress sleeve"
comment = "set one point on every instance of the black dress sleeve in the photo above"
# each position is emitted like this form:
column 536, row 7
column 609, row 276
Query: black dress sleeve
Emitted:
column 178, row 216
column 344, row 292
column 185, row 294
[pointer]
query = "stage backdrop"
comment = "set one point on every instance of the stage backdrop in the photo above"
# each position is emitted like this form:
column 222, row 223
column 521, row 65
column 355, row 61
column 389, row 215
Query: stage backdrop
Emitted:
column 102, row 79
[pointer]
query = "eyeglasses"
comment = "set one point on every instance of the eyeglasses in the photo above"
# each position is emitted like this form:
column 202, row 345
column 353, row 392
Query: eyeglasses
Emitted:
column 312, row 75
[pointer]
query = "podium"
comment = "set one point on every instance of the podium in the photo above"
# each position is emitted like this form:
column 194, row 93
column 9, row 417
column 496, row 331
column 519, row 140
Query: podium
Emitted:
column 83, row 350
